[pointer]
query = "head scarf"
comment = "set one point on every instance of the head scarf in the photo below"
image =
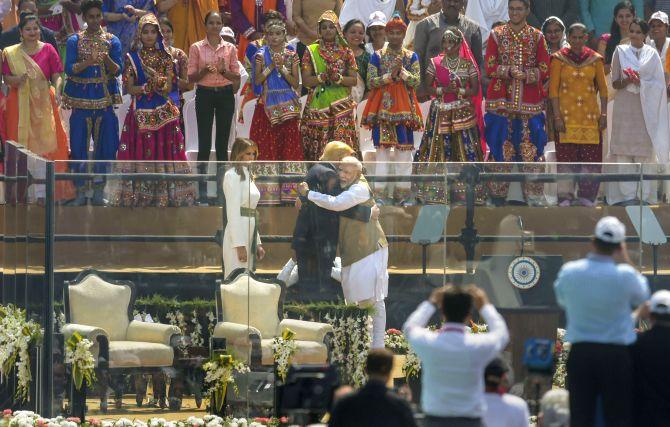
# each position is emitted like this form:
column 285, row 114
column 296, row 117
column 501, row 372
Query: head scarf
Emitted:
column 396, row 23
column 557, row 20
column 149, row 19
column 331, row 16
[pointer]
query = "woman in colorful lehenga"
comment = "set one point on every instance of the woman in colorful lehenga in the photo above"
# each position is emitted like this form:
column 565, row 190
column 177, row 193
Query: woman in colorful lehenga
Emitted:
column 329, row 71
column 251, row 91
column 151, row 140
column 452, row 133
column 275, row 126
column 30, row 68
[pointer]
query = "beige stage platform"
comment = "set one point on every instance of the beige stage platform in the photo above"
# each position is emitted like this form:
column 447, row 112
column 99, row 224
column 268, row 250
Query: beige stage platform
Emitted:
column 205, row 257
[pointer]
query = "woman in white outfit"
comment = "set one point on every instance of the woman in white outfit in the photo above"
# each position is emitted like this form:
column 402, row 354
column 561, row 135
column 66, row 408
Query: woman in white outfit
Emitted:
column 640, row 129
column 241, row 239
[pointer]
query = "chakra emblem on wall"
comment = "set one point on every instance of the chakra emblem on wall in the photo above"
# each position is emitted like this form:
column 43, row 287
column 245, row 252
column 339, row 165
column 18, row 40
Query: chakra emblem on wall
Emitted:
column 523, row 272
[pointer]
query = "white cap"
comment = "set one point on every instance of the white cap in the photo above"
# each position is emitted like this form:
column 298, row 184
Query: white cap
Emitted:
column 610, row 230
column 377, row 19
column 660, row 302
column 227, row 32
column 661, row 16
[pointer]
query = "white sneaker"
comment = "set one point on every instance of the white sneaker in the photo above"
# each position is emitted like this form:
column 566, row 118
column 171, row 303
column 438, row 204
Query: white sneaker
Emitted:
column 285, row 272
column 293, row 277
column 336, row 273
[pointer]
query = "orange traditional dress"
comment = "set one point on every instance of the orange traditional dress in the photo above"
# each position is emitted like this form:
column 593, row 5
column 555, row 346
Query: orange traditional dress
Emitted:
column 392, row 111
column 188, row 19
column 31, row 116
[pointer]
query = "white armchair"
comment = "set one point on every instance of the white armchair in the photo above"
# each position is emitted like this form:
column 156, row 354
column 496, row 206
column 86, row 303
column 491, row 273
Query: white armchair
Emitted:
column 101, row 310
column 249, row 310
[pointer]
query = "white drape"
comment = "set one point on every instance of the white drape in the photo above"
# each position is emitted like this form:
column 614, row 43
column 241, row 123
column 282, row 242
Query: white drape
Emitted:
column 652, row 92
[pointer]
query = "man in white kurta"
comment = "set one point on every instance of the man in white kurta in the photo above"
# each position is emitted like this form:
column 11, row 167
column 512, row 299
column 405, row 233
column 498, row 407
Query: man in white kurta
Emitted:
column 363, row 246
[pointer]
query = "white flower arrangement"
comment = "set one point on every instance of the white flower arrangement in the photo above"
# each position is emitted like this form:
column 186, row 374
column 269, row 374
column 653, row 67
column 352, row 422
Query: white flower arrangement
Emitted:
column 395, row 341
column 16, row 336
column 78, row 354
column 31, row 419
column 351, row 346
column 219, row 373
column 561, row 352
column 283, row 349
column 412, row 366
column 196, row 336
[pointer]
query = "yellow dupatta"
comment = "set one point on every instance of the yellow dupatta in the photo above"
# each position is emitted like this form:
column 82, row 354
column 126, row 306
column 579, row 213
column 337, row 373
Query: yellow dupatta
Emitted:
column 36, row 127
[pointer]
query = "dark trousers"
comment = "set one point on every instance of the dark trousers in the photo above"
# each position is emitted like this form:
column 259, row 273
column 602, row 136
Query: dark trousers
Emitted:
column 211, row 103
column 604, row 370
column 315, row 263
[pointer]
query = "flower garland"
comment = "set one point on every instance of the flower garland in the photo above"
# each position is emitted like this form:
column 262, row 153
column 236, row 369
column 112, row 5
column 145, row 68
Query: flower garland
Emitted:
column 219, row 372
column 78, row 354
column 31, row 419
column 395, row 341
column 283, row 349
column 351, row 346
column 561, row 352
column 16, row 336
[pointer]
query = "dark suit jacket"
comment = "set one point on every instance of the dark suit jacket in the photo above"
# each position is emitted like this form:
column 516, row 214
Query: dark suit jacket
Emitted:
column 652, row 377
column 12, row 37
column 568, row 10
column 374, row 405
column 318, row 224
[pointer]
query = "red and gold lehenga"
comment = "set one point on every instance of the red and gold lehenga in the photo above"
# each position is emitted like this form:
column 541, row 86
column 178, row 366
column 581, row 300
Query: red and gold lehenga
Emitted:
column 152, row 141
column 276, row 129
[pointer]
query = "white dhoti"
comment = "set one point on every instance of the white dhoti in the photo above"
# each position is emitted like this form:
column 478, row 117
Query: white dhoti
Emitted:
column 366, row 282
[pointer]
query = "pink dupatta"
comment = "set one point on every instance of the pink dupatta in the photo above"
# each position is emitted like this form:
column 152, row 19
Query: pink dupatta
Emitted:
column 442, row 76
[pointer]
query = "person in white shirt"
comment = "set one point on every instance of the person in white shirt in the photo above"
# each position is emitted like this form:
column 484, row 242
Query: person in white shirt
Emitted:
column 452, row 359
column 361, row 9
column 363, row 246
column 502, row 409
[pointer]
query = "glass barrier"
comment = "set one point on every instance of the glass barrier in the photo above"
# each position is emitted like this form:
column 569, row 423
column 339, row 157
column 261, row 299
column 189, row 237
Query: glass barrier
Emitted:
column 138, row 246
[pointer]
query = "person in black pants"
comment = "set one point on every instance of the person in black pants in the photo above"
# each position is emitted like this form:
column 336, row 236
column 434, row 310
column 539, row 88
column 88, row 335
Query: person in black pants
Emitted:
column 212, row 64
column 650, row 361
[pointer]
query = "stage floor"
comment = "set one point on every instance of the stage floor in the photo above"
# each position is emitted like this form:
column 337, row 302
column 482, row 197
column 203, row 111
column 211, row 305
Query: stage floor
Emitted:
column 86, row 227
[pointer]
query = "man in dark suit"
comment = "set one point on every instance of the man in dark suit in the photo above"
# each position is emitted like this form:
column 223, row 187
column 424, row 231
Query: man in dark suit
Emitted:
column 374, row 404
column 12, row 36
column 317, row 229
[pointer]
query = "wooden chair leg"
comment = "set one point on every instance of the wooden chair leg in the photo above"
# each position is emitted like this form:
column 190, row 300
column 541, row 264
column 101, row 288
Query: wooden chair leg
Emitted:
column 158, row 380
column 140, row 389
column 103, row 387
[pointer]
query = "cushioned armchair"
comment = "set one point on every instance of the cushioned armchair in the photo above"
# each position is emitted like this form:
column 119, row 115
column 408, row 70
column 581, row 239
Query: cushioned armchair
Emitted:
column 101, row 310
column 249, row 313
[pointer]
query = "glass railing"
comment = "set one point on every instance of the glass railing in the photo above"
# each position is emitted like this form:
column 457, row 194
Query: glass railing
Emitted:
column 136, row 246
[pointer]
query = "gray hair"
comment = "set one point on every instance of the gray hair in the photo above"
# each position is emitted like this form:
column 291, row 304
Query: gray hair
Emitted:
column 555, row 407
column 352, row 162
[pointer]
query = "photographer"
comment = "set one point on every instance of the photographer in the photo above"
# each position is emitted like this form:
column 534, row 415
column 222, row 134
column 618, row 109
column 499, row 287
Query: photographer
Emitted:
column 598, row 296
column 452, row 359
